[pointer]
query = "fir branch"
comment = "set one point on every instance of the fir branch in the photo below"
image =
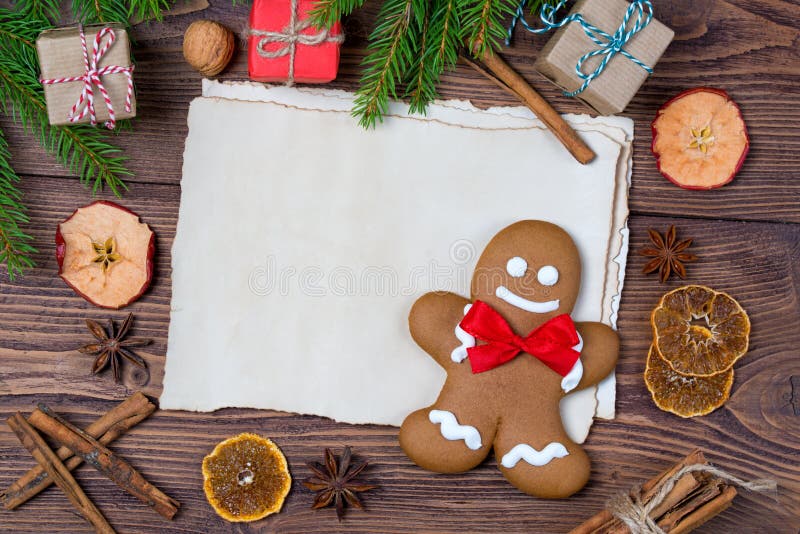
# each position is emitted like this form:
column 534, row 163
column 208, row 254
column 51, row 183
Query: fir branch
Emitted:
column 391, row 52
column 440, row 43
column 100, row 11
column 482, row 21
column 422, row 77
column 149, row 9
column 327, row 12
column 119, row 11
column 535, row 6
column 39, row 10
column 15, row 244
column 445, row 29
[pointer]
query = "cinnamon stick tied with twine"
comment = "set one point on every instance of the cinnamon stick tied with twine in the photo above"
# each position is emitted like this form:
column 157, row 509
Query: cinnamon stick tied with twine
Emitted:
column 101, row 458
column 511, row 81
column 59, row 474
column 106, row 429
column 677, row 501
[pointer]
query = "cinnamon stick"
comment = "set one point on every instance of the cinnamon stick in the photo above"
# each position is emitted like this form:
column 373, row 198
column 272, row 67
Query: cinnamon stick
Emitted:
column 707, row 511
column 695, row 498
column 604, row 520
column 101, row 458
column 106, row 429
column 50, row 463
column 508, row 79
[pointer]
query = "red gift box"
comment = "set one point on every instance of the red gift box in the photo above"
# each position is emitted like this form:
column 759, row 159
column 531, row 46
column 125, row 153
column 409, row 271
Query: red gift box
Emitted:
column 284, row 47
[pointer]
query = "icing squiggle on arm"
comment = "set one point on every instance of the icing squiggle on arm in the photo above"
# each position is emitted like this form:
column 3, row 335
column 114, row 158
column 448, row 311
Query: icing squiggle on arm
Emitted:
column 523, row 451
column 452, row 431
column 571, row 380
column 467, row 341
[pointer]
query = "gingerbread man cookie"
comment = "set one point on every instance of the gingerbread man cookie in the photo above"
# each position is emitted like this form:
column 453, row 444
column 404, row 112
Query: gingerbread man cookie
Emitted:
column 511, row 353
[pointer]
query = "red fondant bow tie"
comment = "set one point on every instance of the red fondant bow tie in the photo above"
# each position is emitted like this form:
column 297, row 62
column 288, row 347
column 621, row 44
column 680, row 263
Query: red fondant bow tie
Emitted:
column 551, row 342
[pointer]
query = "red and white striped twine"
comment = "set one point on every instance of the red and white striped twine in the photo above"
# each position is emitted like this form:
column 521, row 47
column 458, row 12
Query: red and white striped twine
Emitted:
column 92, row 77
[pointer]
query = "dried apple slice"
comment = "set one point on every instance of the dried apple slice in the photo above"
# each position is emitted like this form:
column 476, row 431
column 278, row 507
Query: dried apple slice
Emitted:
column 105, row 254
column 700, row 139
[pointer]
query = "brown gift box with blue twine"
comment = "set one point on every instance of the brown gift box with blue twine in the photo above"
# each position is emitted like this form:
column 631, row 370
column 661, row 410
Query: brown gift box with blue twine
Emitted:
column 602, row 51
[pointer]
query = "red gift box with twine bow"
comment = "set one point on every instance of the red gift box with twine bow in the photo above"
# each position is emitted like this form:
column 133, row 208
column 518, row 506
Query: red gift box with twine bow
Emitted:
column 285, row 47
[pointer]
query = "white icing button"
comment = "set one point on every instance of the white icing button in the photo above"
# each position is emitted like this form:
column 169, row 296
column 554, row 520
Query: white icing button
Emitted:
column 516, row 267
column 547, row 275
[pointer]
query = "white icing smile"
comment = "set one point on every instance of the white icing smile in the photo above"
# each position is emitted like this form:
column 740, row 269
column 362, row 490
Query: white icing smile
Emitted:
column 528, row 305
column 523, row 451
column 452, row 431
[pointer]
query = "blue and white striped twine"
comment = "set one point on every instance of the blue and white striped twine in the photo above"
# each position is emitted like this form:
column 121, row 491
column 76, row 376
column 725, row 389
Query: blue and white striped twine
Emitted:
column 610, row 45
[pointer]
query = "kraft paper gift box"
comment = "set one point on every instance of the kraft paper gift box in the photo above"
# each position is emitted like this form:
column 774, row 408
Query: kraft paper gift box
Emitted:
column 61, row 56
column 611, row 91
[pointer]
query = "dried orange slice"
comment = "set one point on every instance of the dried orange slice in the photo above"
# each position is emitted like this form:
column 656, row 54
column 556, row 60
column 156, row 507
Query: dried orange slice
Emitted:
column 686, row 396
column 699, row 331
column 246, row 478
column 700, row 139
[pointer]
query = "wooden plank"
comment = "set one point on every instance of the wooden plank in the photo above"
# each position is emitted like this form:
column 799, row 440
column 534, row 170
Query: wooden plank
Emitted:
column 746, row 47
column 756, row 434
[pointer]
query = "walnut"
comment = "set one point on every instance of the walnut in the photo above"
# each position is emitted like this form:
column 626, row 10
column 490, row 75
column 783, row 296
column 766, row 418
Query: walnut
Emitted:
column 208, row 46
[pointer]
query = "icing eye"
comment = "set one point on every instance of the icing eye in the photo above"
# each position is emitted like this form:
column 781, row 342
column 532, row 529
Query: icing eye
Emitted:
column 547, row 275
column 516, row 267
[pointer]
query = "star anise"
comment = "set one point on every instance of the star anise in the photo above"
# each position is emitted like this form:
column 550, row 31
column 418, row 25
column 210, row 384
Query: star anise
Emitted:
column 111, row 346
column 668, row 255
column 335, row 482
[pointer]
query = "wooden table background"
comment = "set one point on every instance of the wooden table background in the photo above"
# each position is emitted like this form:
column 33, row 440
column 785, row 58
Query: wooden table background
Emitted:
column 747, row 234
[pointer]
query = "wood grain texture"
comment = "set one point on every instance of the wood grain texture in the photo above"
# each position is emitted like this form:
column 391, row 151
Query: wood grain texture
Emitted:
column 748, row 47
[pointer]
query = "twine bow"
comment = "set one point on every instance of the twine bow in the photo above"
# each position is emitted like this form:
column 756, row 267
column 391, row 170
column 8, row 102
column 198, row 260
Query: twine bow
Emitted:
column 641, row 11
column 291, row 36
column 636, row 515
column 92, row 76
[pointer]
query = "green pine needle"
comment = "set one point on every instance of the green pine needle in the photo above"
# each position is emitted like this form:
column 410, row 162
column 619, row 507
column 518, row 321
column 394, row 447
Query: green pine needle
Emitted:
column 421, row 78
column 445, row 29
column 327, row 12
column 15, row 244
column 391, row 52
column 535, row 6
column 414, row 42
column 99, row 12
column 119, row 11
column 483, row 24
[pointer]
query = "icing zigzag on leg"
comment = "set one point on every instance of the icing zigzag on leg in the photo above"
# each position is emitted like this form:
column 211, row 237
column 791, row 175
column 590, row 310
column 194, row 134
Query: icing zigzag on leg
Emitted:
column 523, row 451
column 452, row 431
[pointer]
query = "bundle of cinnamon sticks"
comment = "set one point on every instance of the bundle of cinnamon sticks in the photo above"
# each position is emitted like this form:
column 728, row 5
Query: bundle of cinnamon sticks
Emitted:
column 78, row 446
column 695, row 498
